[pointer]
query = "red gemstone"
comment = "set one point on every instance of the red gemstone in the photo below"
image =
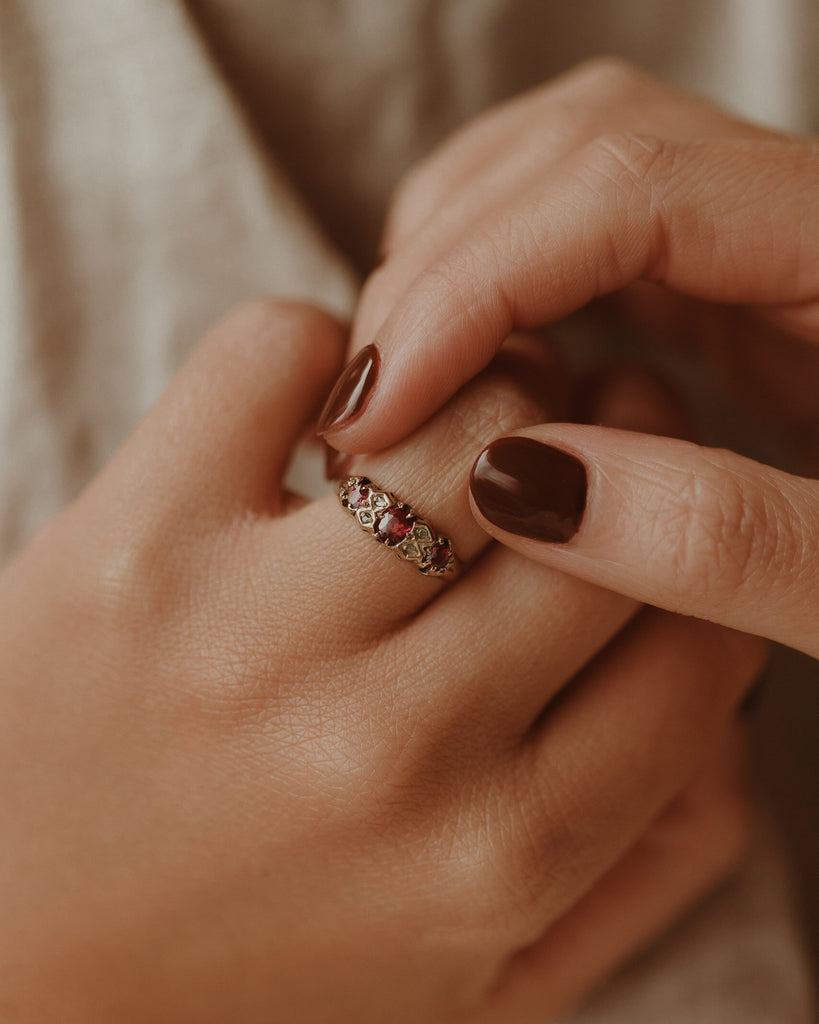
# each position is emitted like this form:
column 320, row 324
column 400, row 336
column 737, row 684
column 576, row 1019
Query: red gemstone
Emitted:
column 394, row 525
column 356, row 495
column 438, row 556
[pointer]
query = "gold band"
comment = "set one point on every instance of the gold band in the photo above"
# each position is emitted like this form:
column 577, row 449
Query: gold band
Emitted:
column 394, row 524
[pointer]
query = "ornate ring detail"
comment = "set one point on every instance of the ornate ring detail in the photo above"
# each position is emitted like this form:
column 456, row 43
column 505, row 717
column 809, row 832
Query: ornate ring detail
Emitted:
column 392, row 522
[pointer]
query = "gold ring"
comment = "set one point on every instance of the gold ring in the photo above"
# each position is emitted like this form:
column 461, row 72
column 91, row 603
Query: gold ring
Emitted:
column 396, row 525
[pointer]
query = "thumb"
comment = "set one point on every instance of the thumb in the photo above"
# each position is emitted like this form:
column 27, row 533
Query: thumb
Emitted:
column 694, row 530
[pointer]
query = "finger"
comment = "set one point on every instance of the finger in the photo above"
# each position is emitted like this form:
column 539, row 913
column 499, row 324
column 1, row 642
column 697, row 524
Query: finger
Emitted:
column 693, row 843
column 505, row 153
column 728, row 221
column 365, row 588
column 223, row 433
column 526, row 135
column 580, row 618
column 506, row 640
column 694, row 530
column 620, row 744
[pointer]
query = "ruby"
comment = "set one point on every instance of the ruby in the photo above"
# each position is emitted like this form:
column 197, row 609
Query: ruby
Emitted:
column 356, row 495
column 438, row 556
column 394, row 525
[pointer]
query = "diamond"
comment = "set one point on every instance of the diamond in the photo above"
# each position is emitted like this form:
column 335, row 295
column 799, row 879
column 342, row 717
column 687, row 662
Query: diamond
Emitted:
column 366, row 518
column 411, row 550
column 423, row 533
column 394, row 525
column 380, row 501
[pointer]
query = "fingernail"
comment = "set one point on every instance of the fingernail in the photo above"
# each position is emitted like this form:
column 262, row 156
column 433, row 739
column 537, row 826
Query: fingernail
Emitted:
column 351, row 392
column 530, row 489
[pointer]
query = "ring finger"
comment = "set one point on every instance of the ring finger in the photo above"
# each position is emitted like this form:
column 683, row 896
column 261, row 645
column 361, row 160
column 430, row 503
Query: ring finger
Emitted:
column 361, row 586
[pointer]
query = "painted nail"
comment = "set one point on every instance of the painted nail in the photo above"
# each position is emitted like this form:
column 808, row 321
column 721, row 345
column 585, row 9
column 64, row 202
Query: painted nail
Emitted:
column 530, row 489
column 351, row 392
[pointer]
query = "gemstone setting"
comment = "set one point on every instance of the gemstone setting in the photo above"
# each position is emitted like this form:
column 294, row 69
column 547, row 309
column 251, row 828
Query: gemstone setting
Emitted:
column 438, row 556
column 397, row 526
column 394, row 525
column 356, row 495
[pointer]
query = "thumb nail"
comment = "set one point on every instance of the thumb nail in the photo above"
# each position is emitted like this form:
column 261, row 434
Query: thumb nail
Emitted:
column 530, row 489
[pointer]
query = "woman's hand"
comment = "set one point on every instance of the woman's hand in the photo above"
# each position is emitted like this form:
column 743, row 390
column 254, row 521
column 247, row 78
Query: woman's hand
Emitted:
column 601, row 180
column 253, row 767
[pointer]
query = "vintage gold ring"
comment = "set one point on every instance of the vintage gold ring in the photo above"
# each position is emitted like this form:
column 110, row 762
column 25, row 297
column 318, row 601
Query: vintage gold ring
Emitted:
column 397, row 526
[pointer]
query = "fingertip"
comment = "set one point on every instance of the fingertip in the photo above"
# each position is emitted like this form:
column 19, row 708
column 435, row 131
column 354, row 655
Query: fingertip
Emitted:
column 283, row 325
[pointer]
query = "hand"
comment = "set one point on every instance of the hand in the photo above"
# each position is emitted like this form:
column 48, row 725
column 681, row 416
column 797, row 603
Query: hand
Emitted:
column 254, row 768
column 584, row 188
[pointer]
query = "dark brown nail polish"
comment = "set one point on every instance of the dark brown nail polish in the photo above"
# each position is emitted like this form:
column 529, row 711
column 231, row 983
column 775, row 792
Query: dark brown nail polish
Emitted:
column 530, row 489
column 352, row 389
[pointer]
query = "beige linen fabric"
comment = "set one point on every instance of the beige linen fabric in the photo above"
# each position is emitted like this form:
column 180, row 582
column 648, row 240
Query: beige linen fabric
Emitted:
column 160, row 161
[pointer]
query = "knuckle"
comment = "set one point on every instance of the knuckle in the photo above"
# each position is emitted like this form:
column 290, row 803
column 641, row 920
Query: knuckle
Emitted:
column 488, row 872
column 105, row 595
column 265, row 320
column 499, row 903
column 712, row 533
column 263, row 315
column 629, row 177
column 296, row 332
column 631, row 161
column 135, row 573
column 135, row 576
column 610, row 75
column 727, row 530
column 538, row 844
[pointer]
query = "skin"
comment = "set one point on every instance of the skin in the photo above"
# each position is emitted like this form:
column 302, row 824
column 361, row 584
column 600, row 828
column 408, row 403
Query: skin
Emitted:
column 254, row 768
column 608, row 183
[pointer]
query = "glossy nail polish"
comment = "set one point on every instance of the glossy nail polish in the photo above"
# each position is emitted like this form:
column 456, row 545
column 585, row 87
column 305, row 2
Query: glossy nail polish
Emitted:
column 530, row 489
column 351, row 392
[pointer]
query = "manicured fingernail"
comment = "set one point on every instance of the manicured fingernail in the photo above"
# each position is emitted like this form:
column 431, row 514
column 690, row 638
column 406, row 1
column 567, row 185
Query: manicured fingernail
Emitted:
column 351, row 392
column 530, row 489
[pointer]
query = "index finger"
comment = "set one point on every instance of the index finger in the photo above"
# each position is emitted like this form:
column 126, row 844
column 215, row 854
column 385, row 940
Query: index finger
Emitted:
column 730, row 221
